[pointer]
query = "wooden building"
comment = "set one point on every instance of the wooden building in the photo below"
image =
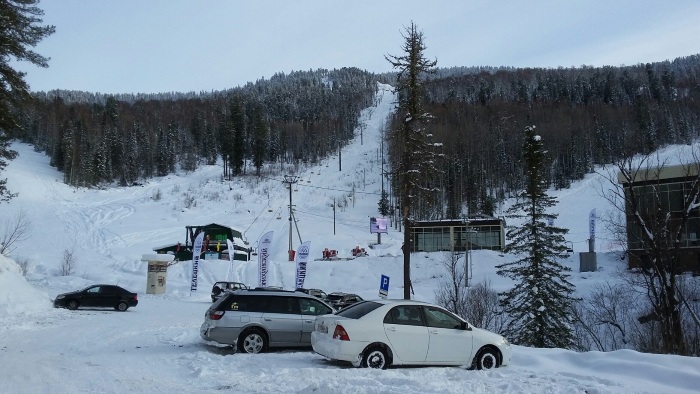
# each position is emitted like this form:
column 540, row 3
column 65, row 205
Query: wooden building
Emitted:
column 214, row 246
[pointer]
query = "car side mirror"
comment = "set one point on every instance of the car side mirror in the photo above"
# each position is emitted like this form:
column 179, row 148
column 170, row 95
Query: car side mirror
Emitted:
column 465, row 326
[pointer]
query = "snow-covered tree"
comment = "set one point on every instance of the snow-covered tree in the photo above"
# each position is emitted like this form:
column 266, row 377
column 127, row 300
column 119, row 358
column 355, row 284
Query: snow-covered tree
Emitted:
column 416, row 155
column 384, row 206
column 540, row 303
column 19, row 31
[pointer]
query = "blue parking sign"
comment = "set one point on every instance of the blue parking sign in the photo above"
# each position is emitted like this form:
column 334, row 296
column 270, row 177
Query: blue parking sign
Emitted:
column 384, row 287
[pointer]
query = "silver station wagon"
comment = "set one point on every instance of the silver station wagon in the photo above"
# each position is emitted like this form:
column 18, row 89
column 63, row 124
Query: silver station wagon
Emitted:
column 255, row 320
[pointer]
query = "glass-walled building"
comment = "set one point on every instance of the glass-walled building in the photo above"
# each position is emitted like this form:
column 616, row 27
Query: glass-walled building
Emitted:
column 483, row 232
column 663, row 190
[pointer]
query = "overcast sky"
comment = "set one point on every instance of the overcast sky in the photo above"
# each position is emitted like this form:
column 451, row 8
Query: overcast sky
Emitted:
column 150, row 46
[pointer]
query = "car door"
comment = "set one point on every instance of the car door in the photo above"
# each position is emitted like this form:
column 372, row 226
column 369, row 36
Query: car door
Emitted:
column 91, row 297
column 407, row 335
column 448, row 342
column 283, row 320
column 110, row 296
column 309, row 310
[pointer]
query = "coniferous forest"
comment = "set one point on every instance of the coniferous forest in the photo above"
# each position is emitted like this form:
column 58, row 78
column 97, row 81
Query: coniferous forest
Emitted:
column 586, row 116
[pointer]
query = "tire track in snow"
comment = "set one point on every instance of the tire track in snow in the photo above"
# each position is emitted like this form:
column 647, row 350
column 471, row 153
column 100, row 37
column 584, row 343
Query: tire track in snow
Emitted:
column 87, row 224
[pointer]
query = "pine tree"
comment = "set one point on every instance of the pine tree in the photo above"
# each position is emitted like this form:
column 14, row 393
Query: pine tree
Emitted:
column 540, row 303
column 259, row 132
column 384, row 207
column 416, row 155
column 239, row 142
column 19, row 31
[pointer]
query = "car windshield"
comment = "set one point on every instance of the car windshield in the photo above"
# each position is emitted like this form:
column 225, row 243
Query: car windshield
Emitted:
column 358, row 309
column 335, row 297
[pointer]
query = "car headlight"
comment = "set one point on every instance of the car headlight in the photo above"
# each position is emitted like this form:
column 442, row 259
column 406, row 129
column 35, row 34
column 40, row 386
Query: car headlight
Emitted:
column 60, row 297
column 505, row 341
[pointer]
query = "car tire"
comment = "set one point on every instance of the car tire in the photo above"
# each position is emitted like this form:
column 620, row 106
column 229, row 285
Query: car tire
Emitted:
column 122, row 306
column 252, row 341
column 376, row 358
column 486, row 359
column 72, row 305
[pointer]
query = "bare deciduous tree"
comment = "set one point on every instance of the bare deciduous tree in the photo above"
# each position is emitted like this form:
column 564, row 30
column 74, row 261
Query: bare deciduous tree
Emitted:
column 14, row 230
column 605, row 320
column 477, row 304
column 656, row 223
column 68, row 263
column 452, row 293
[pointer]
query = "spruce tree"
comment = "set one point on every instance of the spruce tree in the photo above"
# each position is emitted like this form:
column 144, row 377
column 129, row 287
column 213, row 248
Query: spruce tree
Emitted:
column 19, row 31
column 416, row 165
column 539, row 305
column 384, row 206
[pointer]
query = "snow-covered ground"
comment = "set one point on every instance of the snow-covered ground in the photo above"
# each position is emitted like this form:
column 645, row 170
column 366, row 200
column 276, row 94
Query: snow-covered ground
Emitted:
column 155, row 347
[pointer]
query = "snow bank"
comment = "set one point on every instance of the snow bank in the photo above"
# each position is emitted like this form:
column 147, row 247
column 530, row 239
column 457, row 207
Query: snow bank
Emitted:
column 17, row 297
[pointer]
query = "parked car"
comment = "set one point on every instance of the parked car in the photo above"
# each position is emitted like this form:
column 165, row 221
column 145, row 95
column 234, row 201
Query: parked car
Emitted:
column 255, row 320
column 376, row 334
column 318, row 293
column 104, row 296
column 340, row 300
column 220, row 287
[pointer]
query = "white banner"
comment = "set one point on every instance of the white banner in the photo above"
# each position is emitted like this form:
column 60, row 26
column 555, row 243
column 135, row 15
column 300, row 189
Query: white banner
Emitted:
column 263, row 257
column 231, row 253
column 302, row 259
column 196, row 251
column 591, row 224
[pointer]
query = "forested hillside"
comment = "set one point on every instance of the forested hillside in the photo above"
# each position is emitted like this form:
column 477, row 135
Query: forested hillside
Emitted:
column 95, row 138
column 586, row 116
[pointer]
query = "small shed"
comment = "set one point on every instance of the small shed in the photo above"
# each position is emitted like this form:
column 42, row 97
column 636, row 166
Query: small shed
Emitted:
column 214, row 243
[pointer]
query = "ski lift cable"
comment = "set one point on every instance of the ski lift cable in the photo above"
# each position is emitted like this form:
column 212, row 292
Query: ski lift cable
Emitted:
column 325, row 188
column 258, row 216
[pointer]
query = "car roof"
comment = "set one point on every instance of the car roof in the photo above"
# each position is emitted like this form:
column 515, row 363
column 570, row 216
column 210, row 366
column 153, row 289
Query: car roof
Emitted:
column 272, row 292
column 400, row 301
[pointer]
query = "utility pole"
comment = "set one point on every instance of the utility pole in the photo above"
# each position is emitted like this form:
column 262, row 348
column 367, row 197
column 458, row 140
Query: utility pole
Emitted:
column 290, row 180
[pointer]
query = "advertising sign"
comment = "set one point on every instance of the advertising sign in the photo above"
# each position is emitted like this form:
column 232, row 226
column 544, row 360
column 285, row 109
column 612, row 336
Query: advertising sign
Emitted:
column 378, row 225
column 302, row 259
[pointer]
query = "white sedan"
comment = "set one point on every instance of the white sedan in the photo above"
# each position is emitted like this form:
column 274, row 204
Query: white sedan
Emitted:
column 376, row 334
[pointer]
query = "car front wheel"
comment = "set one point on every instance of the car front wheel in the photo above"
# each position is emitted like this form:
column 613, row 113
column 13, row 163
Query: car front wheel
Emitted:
column 375, row 358
column 72, row 305
column 122, row 306
column 486, row 359
column 252, row 341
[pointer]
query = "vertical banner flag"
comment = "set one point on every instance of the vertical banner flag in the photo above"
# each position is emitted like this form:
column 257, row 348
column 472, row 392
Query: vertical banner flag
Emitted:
column 231, row 253
column 263, row 257
column 591, row 223
column 302, row 259
column 196, row 251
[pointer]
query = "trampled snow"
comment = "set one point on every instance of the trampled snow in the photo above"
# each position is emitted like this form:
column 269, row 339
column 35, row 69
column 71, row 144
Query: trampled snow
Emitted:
column 155, row 347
